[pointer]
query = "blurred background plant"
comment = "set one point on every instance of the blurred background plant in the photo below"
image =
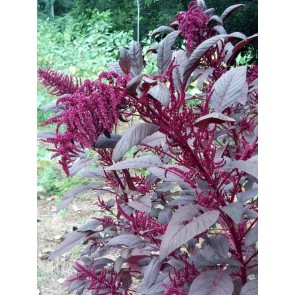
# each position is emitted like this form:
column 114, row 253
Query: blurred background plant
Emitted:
column 153, row 13
column 81, row 37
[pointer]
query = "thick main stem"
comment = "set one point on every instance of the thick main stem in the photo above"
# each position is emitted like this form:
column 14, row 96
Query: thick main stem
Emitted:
column 239, row 251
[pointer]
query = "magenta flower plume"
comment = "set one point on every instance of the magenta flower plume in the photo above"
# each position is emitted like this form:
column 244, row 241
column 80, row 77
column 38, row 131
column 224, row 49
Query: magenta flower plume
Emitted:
column 252, row 73
column 89, row 110
column 193, row 25
column 103, row 281
column 58, row 83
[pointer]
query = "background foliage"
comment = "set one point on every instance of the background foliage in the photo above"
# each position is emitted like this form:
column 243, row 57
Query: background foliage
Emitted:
column 81, row 45
column 154, row 12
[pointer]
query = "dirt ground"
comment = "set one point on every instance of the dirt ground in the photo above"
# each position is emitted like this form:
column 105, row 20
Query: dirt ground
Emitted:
column 51, row 228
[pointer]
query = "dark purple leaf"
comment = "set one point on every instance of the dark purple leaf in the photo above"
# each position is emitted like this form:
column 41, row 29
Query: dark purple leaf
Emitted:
column 174, row 24
column 126, row 279
column 173, row 176
column 122, row 118
column 220, row 30
column 254, row 84
column 216, row 18
column 202, row 4
column 104, row 142
column 250, row 288
column 93, row 173
column 89, row 249
column 165, row 186
column 203, row 77
column 209, row 257
column 153, row 48
column 250, row 166
column 180, row 60
column 228, row 88
column 235, row 211
column 133, row 84
column 110, row 203
column 176, row 263
column 72, row 286
column 147, row 82
column 250, row 214
column 177, row 78
column 102, row 261
column 184, row 200
column 142, row 204
column 161, row 93
column 197, row 54
column 152, row 271
column 227, row 164
column 236, row 49
column 46, row 134
column 115, row 67
column 155, row 139
column 220, row 244
column 126, row 239
column 133, row 136
column 127, row 209
column 203, row 185
column 165, row 52
column 165, row 215
column 125, row 253
column 212, row 282
column 250, row 184
column 118, row 264
column 230, row 10
column 245, row 196
column 227, row 51
column 124, row 61
column 100, row 252
column 236, row 35
column 195, row 57
column 161, row 29
column 156, row 288
column 220, row 151
column 136, row 58
column 256, row 131
column 252, row 236
column 74, row 192
column 74, row 238
column 209, row 11
column 215, row 117
column 233, row 262
column 91, row 225
column 51, row 107
column 196, row 74
column 244, row 94
column 79, row 164
column 186, row 223
column 83, row 290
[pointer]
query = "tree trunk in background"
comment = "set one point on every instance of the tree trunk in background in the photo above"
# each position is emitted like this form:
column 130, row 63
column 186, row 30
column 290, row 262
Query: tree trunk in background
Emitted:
column 138, row 12
column 52, row 10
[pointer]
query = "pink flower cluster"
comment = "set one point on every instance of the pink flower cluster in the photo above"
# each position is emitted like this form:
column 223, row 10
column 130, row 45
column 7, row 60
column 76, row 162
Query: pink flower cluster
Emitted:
column 103, row 281
column 90, row 109
column 193, row 25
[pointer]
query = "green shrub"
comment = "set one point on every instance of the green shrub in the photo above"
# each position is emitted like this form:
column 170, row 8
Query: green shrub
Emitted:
column 74, row 44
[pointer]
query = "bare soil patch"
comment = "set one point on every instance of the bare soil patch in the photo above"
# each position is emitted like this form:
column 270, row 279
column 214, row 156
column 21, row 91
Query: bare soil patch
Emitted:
column 51, row 228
